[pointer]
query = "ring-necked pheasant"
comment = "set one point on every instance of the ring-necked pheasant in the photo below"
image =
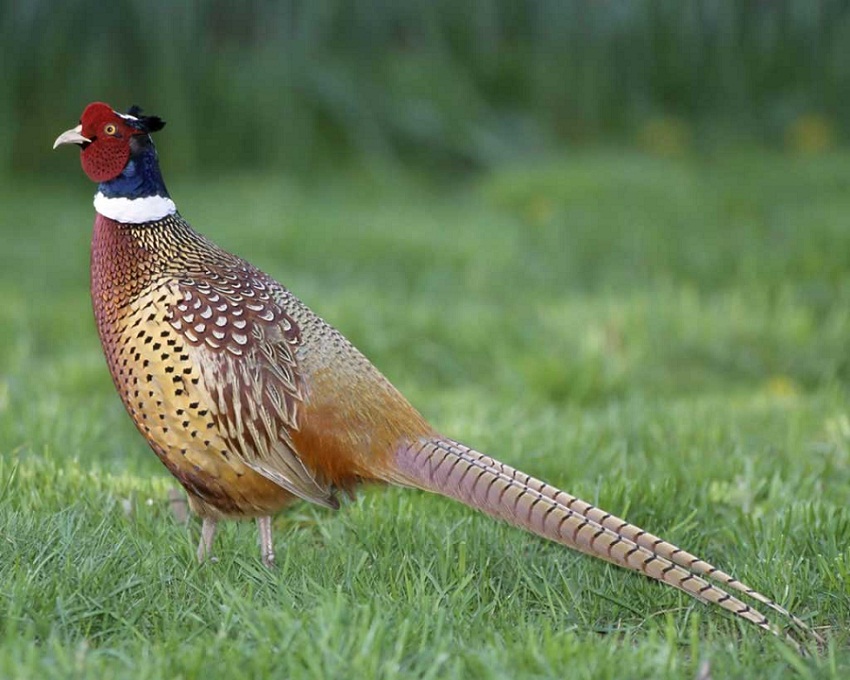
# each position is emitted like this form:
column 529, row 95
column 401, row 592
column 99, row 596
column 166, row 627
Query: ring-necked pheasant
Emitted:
column 253, row 402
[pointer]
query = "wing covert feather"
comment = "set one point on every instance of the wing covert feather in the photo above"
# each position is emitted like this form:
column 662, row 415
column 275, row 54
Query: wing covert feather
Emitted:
column 245, row 345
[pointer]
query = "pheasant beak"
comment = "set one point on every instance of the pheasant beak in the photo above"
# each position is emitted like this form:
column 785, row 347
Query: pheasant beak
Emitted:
column 72, row 136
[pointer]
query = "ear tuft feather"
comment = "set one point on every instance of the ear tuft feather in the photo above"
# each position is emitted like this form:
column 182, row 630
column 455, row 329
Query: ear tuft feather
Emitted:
column 147, row 123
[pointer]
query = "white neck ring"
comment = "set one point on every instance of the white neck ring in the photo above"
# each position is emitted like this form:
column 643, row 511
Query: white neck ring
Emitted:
column 134, row 210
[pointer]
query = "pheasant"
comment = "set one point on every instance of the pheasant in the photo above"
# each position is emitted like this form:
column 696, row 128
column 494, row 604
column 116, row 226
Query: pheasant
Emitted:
column 253, row 402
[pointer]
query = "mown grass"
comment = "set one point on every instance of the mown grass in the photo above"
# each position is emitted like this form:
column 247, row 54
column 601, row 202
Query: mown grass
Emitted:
column 667, row 339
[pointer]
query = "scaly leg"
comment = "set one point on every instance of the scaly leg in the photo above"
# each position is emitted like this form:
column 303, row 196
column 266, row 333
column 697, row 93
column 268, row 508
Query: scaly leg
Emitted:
column 179, row 505
column 264, row 527
column 207, row 536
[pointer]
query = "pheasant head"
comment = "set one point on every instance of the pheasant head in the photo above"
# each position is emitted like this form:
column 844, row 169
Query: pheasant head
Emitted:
column 117, row 152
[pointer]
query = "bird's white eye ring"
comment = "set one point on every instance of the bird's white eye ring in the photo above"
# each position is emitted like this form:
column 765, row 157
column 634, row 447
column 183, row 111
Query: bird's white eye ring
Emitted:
column 109, row 129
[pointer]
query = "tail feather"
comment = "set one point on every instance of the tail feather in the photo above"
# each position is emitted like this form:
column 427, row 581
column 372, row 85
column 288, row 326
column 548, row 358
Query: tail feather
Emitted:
column 454, row 470
column 639, row 536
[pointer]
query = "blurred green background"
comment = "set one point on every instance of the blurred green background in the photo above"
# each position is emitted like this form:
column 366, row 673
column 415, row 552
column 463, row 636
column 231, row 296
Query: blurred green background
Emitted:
column 441, row 84
column 607, row 242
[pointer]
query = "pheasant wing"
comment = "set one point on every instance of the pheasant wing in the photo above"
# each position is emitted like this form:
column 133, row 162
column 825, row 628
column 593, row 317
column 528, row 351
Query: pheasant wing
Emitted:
column 245, row 345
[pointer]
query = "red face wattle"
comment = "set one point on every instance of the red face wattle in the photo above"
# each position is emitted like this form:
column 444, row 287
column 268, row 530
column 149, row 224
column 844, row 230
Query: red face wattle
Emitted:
column 105, row 157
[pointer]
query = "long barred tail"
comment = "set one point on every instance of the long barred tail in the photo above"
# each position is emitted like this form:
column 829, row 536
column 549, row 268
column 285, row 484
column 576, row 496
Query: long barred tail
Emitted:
column 454, row 470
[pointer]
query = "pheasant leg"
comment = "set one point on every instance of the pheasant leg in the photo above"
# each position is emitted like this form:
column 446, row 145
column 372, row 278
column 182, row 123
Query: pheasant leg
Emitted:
column 264, row 528
column 207, row 535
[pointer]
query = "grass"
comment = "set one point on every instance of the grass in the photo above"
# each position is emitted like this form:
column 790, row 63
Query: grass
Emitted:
column 667, row 339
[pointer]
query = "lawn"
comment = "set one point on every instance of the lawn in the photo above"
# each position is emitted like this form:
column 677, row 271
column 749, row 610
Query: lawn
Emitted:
column 667, row 339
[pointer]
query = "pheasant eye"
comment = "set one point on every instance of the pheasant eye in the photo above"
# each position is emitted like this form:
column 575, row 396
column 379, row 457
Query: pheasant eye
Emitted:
column 109, row 129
